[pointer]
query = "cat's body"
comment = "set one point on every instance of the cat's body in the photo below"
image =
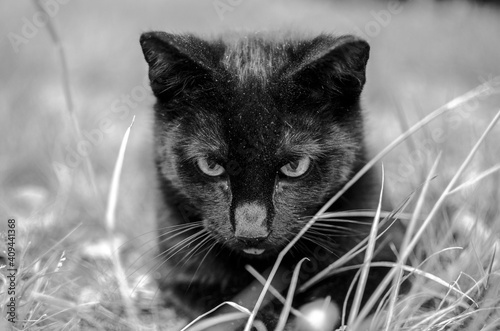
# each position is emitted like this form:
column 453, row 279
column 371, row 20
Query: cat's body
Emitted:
column 253, row 135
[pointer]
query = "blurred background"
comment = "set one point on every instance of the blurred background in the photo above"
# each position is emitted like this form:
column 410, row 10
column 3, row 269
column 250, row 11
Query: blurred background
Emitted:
column 423, row 54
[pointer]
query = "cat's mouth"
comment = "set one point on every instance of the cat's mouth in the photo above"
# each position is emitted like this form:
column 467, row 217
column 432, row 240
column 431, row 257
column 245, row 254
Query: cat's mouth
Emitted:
column 254, row 251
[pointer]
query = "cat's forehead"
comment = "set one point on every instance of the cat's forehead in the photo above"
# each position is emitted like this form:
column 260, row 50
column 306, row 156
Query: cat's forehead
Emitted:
column 253, row 113
column 250, row 135
column 254, row 127
column 259, row 133
column 255, row 57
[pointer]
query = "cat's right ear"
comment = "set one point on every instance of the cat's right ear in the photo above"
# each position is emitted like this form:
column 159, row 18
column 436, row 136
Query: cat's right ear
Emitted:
column 335, row 66
column 177, row 63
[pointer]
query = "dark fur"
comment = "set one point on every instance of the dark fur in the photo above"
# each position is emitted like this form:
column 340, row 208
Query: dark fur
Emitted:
column 253, row 103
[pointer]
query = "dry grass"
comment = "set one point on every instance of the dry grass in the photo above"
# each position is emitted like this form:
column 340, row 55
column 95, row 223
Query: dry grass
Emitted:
column 78, row 271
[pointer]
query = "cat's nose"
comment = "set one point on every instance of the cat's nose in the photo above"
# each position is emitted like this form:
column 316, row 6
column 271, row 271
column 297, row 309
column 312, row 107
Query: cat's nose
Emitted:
column 250, row 223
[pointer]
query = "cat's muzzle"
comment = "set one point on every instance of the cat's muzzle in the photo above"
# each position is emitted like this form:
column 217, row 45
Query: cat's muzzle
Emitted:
column 250, row 227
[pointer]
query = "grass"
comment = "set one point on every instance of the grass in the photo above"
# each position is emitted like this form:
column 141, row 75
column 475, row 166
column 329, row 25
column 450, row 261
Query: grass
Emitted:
column 80, row 269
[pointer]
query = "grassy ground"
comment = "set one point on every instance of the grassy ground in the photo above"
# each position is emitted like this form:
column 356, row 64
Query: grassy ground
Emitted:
column 423, row 55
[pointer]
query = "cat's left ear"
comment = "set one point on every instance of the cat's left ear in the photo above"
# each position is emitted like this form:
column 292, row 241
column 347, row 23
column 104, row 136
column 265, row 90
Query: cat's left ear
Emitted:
column 334, row 65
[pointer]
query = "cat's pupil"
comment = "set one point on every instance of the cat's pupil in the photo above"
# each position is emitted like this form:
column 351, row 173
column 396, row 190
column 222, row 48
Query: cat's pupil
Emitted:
column 293, row 165
column 212, row 165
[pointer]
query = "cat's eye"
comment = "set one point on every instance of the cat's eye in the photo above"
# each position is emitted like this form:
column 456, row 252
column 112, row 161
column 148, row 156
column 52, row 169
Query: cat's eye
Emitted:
column 296, row 168
column 210, row 167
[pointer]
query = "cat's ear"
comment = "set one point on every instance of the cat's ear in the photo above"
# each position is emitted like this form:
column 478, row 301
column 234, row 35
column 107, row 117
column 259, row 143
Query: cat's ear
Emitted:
column 333, row 65
column 177, row 63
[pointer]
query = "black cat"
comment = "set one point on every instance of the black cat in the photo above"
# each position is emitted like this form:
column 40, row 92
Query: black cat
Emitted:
column 254, row 133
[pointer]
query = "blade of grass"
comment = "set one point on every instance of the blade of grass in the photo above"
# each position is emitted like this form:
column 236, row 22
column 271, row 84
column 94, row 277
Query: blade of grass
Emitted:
column 434, row 278
column 54, row 34
column 289, row 298
column 412, row 270
column 477, row 259
column 216, row 323
column 115, row 181
column 404, row 254
column 404, row 123
column 110, row 226
column 349, row 290
column 232, row 304
column 479, row 177
column 365, row 269
column 480, row 90
column 364, row 213
column 406, row 240
column 358, row 249
column 490, row 266
column 59, row 242
column 273, row 290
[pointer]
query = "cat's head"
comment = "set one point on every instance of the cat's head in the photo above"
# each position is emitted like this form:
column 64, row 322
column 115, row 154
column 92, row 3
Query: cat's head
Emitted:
column 256, row 131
